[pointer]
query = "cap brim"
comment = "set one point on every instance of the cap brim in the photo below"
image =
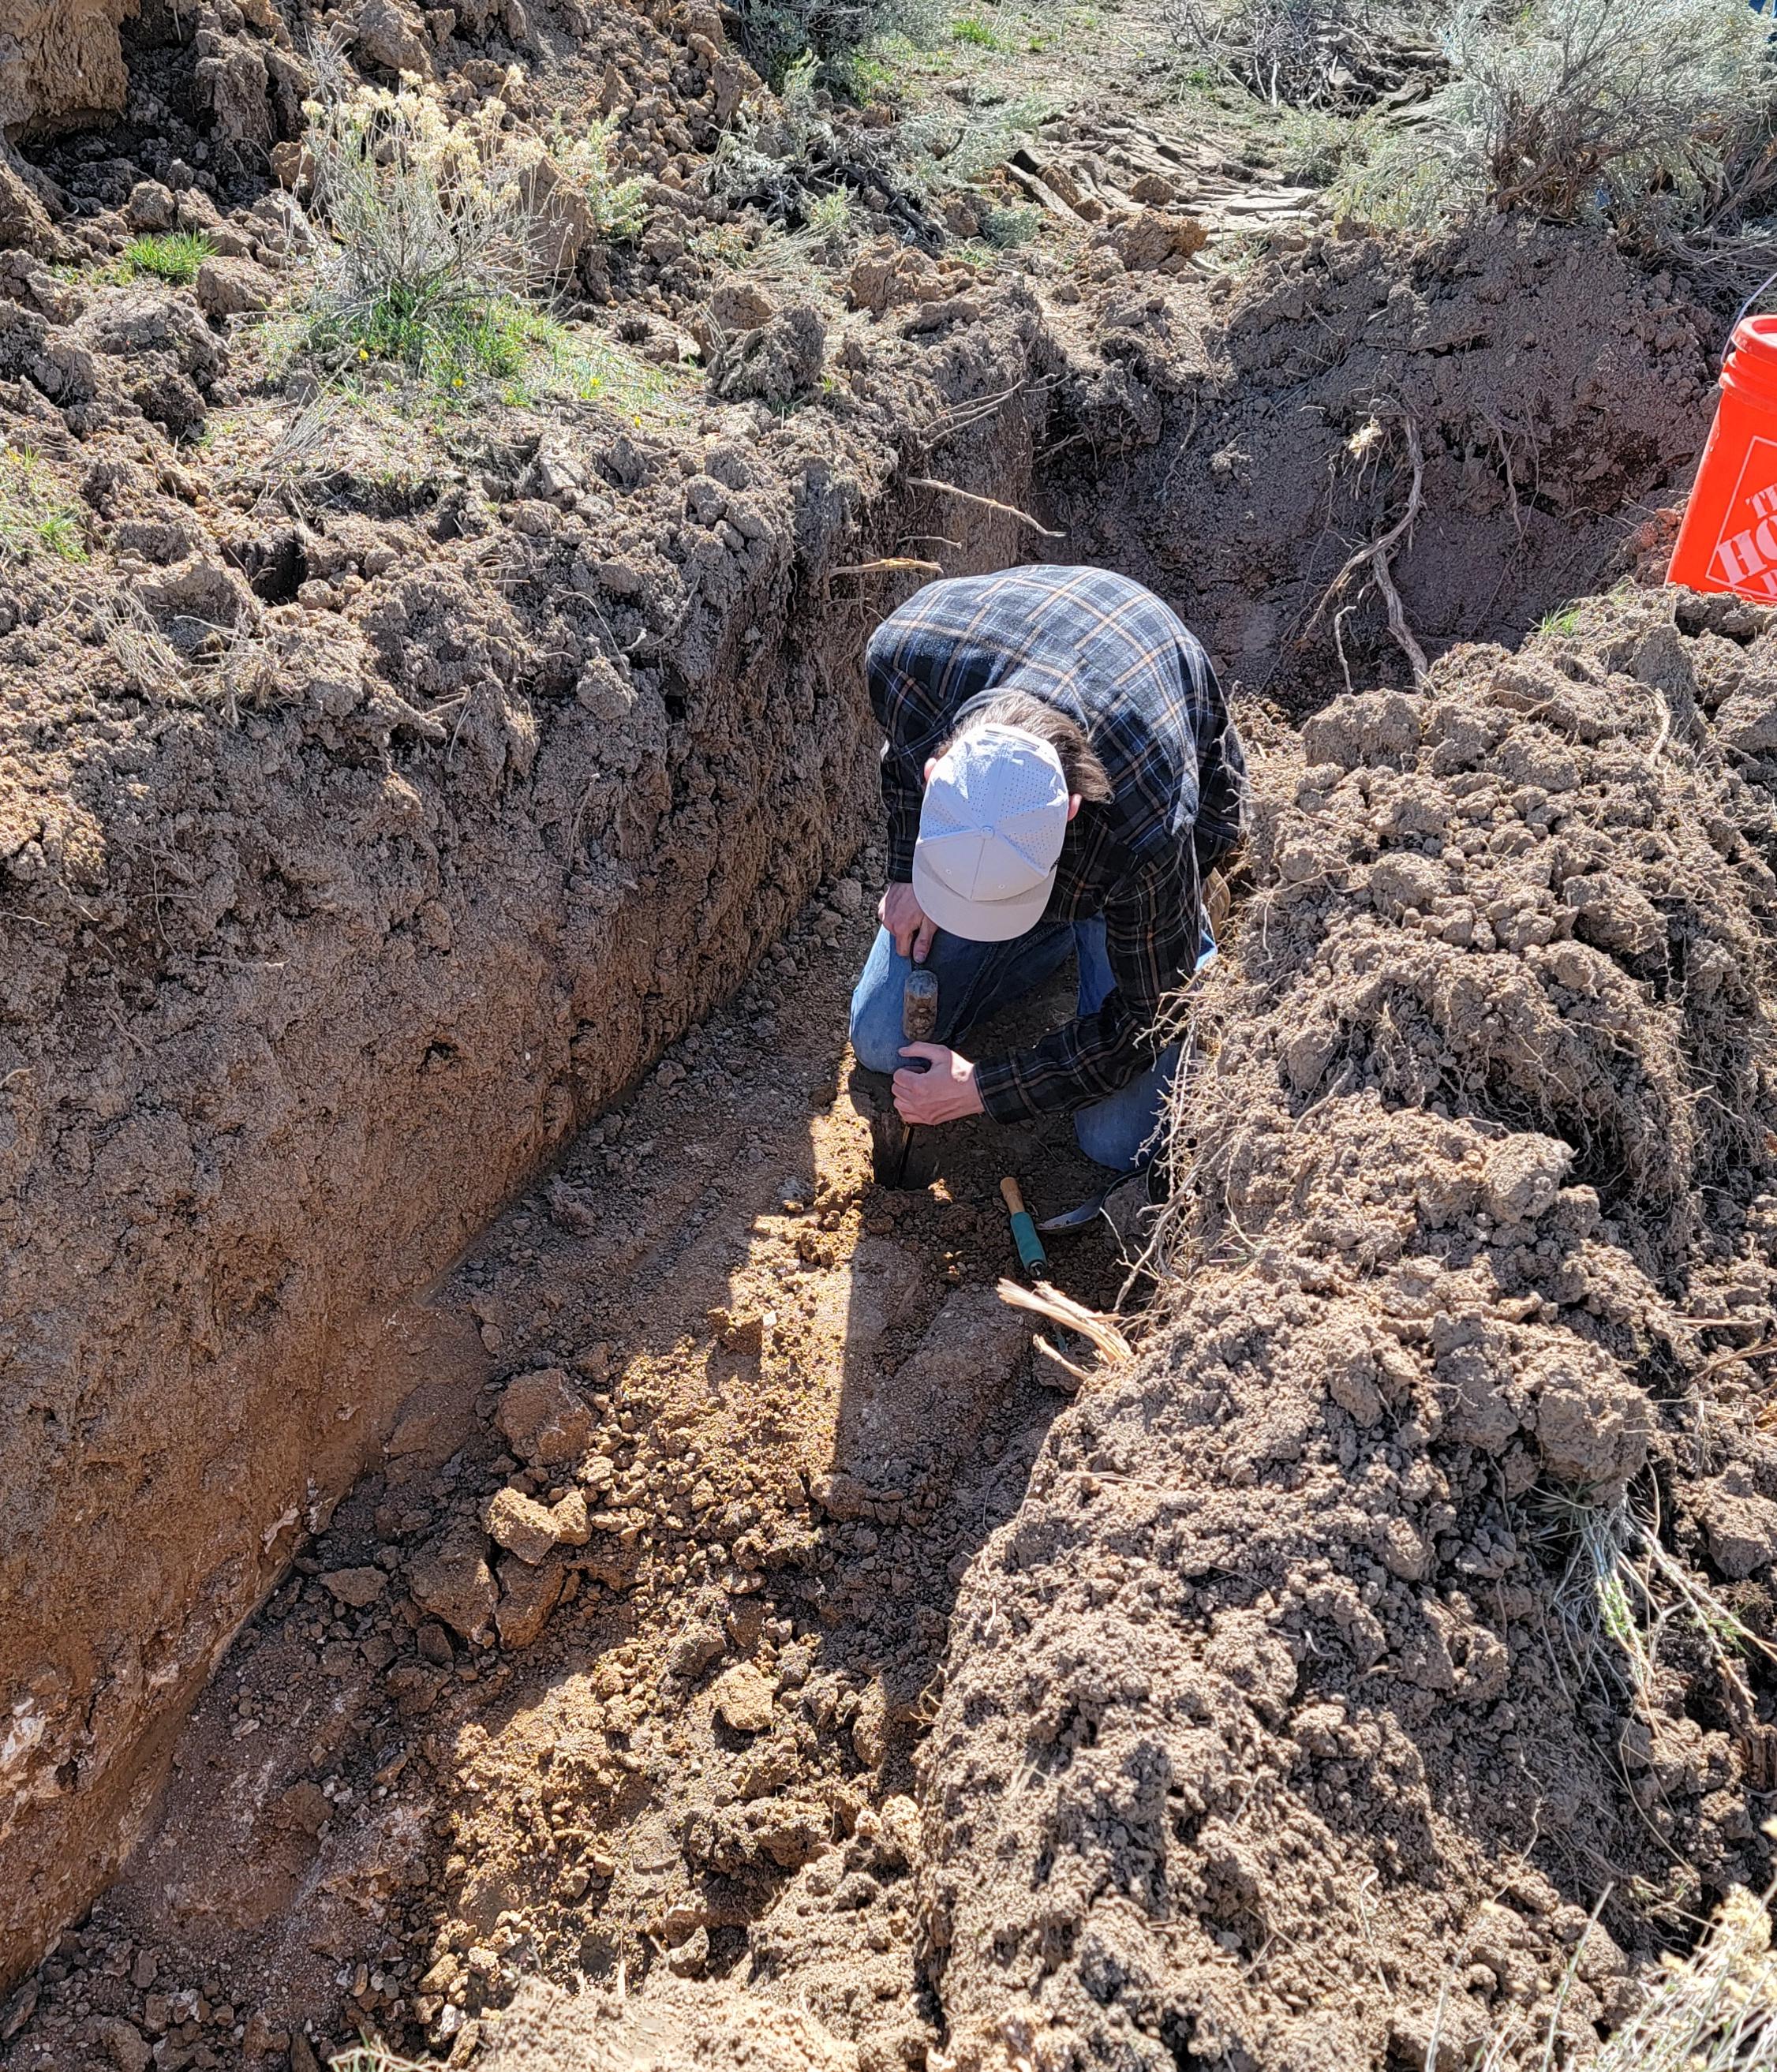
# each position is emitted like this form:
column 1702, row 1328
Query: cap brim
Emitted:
column 978, row 920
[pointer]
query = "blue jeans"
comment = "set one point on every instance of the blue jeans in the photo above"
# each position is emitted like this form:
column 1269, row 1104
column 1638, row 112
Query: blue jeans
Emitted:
column 976, row 980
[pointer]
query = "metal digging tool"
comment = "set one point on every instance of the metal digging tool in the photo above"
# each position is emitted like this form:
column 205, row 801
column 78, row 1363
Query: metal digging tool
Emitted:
column 899, row 1160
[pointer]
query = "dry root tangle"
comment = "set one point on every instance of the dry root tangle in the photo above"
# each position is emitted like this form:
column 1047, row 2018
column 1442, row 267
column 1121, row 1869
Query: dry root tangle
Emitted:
column 1376, row 555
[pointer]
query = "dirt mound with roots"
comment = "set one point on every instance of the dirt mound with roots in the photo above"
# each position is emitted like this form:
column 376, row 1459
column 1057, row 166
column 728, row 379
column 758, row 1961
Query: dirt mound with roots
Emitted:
column 1496, row 407
column 1414, row 1588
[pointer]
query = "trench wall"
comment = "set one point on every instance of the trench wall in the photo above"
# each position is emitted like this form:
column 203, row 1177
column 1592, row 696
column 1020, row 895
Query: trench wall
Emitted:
column 301, row 1000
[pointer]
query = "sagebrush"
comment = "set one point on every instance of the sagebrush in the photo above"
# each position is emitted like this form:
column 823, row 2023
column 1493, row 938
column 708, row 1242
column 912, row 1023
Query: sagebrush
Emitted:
column 834, row 33
column 442, row 230
column 583, row 160
column 1654, row 118
column 1287, row 52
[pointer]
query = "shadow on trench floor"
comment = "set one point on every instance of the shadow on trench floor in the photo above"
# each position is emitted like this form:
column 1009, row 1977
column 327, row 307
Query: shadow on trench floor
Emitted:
column 623, row 1658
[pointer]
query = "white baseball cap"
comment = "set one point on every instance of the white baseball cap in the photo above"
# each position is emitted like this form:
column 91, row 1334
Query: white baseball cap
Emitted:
column 991, row 826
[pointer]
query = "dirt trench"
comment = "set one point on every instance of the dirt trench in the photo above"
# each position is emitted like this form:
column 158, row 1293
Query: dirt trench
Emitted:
column 769, row 1669
column 804, row 1408
column 272, row 992
column 1521, row 395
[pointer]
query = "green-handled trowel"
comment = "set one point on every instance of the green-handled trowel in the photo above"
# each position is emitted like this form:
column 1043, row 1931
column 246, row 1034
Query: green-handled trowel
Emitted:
column 1031, row 1256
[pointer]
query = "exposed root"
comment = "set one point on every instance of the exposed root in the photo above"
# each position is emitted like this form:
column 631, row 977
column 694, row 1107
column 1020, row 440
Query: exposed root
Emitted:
column 891, row 564
column 984, row 503
column 1376, row 554
column 1100, row 1333
column 374, row 2057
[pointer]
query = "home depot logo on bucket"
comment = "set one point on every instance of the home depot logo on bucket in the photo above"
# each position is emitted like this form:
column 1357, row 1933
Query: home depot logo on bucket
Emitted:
column 1729, row 539
column 1746, row 560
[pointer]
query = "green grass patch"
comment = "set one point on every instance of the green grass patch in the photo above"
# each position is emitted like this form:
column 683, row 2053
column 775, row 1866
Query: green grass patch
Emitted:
column 972, row 28
column 502, row 351
column 392, row 365
column 36, row 519
column 875, row 74
column 452, row 346
column 567, row 361
column 172, row 256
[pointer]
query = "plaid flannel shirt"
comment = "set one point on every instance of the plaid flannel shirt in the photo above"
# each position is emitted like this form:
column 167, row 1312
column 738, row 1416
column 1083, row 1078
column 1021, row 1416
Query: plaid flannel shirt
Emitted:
column 1102, row 649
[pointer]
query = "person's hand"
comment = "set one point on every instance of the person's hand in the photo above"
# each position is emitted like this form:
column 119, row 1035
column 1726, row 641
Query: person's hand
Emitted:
column 901, row 915
column 943, row 1091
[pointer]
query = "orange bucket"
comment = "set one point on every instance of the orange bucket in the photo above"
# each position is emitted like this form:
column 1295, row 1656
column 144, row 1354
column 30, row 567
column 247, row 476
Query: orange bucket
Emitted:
column 1729, row 538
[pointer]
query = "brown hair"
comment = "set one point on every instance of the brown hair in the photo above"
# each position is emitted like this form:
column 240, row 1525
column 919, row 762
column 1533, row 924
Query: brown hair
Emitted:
column 1081, row 769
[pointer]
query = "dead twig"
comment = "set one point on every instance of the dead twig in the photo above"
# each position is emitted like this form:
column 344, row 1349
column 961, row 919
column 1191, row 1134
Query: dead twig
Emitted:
column 985, row 503
column 892, row 564
column 1730, row 1359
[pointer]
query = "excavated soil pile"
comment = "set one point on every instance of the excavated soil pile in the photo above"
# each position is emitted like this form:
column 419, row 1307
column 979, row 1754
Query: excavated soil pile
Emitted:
column 1279, row 1730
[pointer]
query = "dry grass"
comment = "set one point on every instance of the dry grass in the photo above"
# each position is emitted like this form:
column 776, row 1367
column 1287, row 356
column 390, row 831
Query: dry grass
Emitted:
column 372, row 2056
column 145, row 658
column 1714, row 2011
column 348, row 432
column 1620, row 1594
column 236, row 668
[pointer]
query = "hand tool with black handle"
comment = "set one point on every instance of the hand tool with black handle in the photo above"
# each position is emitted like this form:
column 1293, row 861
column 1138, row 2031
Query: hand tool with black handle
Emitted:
column 900, row 1161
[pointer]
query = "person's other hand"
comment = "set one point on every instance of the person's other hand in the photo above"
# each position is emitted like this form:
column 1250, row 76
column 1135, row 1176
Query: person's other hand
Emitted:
column 943, row 1092
column 901, row 915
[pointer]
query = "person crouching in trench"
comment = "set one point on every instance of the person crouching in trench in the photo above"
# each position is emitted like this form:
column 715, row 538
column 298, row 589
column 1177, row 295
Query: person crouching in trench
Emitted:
column 1059, row 773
